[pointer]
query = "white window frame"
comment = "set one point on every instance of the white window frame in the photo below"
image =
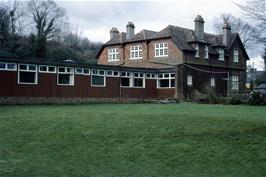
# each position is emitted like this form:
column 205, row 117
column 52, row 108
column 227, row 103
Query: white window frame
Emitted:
column 213, row 82
column 28, row 70
column 235, row 82
column 127, row 75
column 165, row 76
column 47, row 69
column 136, row 52
column 112, row 73
column 138, row 75
column 150, row 76
column 113, row 54
column 221, row 54
column 82, row 71
column 189, row 80
column 97, row 72
column 161, row 49
column 71, row 73
column 206, row 52
column 197, row 50
column 6, row 68
column 236, row 56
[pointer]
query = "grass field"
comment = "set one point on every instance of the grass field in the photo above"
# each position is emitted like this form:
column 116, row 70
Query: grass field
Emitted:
column 132, row 140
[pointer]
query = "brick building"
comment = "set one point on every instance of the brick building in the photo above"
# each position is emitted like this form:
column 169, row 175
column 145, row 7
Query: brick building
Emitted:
column 199, row 59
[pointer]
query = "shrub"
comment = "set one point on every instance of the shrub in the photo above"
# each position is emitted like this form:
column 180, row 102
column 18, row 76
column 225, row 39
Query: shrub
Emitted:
column 235, row 100
column 211, row 95
column 255, row 98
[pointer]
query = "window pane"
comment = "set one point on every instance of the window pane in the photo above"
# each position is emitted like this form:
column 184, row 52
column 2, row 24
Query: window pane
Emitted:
column 2, row 65
column 51, row 69
column 115, row 73
column 64, row 79
column 11, row 66
column 164, row 83
column 109, row 73
column 27, row 77
column 86, row 71
column 79, row 70
column 62, row 70
column 43, row 68
column 138, row 82
column 23, row 67
column 32, row 67
column 172, row 82
column 125, row 82
column 101, row 72
column 98, row 80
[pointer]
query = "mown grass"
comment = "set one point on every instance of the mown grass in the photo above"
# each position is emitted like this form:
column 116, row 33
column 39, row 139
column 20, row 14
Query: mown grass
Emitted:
column 132, row 140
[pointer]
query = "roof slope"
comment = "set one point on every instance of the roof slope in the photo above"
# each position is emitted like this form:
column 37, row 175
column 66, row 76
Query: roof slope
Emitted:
column 181, row 37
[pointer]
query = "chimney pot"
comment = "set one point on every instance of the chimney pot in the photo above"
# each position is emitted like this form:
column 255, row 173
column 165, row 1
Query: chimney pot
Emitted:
column 226, row 33
column 199, row 27
column 130, row 30
column 114, row 33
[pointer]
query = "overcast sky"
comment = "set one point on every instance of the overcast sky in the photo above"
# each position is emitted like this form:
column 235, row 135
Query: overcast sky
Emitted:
column 96, row 18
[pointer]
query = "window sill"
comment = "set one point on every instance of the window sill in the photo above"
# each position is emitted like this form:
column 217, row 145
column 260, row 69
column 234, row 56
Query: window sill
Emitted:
column 25, row 83
column 113, row 60
column 161, row 56
column 66, row 84
column 98, row 86
column 135, row 58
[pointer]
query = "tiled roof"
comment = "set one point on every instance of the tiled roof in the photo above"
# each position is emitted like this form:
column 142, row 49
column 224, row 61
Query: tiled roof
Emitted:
column 181, row 37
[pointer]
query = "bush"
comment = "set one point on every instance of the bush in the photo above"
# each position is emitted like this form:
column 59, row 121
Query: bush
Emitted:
column 255, row 98
column 235, row 100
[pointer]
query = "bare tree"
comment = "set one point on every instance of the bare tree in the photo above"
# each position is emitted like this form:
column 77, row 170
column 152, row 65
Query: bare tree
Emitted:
column 256, row 10
column 48, row 19
column 248, row 33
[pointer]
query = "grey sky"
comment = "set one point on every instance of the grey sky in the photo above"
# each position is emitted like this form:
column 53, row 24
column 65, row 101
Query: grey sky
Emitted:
column 96, row 18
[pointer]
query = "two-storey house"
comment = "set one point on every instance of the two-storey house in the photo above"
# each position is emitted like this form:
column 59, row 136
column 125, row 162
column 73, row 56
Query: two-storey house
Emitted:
column 199, row 59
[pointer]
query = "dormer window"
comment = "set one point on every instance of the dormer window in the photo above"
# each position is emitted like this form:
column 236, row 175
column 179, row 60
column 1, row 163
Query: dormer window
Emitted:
column 136, row 52
column 235, row 59
column 113, row 54
column 206, row 56
column 221, row 54
column 197, row 50
column 161, row 49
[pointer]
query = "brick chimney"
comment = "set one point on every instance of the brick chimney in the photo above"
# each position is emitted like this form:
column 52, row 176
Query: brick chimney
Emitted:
column 130, row 30
column 226, row 33
column 199, row 27
column 114, row 33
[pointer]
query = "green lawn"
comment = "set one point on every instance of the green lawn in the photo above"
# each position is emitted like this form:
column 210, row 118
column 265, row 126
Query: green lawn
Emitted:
column 124, row 140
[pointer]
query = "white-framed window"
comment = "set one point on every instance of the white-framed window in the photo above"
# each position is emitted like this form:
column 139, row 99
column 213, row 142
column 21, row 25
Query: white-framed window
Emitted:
column 161, row 49
column 111, row 73
column 8, row 66
column 126, row 79
column 197, row 50
column 189, row 80
column 212, row 82
column 236, row 57
column 47, row 69
column 166, row 80
column 82, row 71
column 113, row 54
column 235, row 83
column 136, row 52
column 98, row 78
column 139, row 80
column 150, row 76
column 27, row 74
column 206, row 56
column 65, row 76
column 221, row 54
